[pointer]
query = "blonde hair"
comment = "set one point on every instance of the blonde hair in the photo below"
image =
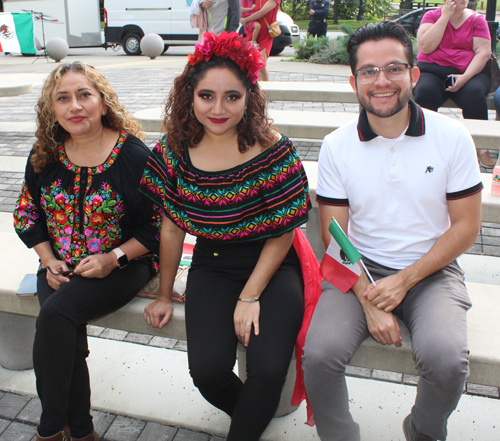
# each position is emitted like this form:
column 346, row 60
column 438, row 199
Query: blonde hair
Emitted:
column 49, row 132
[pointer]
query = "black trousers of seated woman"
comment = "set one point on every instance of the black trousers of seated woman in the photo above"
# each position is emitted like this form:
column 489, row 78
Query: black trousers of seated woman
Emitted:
column 60, row 348
column 216, row 279
column 471, row 97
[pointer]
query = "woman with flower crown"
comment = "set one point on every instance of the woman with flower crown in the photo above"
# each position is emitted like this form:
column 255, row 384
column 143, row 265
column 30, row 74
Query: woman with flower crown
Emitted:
column 223, row 174
column 96, row 235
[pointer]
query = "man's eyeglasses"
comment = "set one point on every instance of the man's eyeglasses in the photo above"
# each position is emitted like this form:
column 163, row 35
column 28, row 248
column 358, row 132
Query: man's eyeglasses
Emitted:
column 393, row 72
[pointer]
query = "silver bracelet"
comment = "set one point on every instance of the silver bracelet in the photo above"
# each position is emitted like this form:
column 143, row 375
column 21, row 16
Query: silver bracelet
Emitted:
column 247, row 300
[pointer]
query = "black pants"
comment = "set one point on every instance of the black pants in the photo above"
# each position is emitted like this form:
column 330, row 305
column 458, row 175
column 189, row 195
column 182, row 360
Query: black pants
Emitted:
column 216, row 279
column 60, row 348
column 317, row 28
column 471, row 98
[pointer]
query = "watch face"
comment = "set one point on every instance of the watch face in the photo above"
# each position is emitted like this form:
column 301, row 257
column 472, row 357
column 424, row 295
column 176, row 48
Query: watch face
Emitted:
column 122, row 261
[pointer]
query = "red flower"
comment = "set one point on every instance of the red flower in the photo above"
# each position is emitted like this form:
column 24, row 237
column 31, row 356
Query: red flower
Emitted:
column 60, row 216
column 68, row 208
column 60, row 198
column 96, row 219
column 102, row 232
column 78, row 252
column 23, row 201
column 88, row 209
column 106, row 241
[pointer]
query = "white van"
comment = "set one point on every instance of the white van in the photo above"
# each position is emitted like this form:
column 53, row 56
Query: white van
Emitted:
column 127, row 21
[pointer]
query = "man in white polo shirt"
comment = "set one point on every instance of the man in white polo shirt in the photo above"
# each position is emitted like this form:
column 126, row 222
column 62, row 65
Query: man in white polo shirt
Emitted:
column 404, row 183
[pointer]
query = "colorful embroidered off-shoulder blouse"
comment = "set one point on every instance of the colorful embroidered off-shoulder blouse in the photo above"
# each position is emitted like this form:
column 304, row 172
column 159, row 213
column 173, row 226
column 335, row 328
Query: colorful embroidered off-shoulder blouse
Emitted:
column 262, row 198
column 89, row 210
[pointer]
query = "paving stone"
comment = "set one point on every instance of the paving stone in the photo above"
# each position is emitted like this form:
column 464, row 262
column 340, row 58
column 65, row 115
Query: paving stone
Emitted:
column 187, row 435
column 163, row 342
column 94, row 331
column 102, row 421
column 11, row 405
column 394, row 377
column 355, row 371
column 157, row 432
column 181, row 345
column 410, row 379
column 31, row 412
column 114, row 334
column 485, row 391
column 124, row 429
column 18, row 432
column 142, row 339
column 3, row 425
column 217, row 438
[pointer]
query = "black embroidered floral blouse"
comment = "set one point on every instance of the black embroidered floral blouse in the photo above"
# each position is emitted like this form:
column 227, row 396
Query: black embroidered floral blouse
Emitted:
column 89, row 210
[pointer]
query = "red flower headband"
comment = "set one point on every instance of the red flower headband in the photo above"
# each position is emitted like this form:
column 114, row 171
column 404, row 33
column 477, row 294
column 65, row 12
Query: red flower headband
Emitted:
column 231, row 45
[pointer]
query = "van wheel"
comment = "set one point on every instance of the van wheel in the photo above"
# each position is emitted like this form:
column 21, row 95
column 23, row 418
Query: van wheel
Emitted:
column 132, row 44
column 165, row 49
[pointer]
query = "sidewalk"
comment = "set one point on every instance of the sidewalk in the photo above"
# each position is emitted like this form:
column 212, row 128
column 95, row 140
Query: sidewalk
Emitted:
column 141, row 386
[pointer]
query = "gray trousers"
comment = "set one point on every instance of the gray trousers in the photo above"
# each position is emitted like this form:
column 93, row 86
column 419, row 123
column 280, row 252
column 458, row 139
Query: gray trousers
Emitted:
column 434, row 311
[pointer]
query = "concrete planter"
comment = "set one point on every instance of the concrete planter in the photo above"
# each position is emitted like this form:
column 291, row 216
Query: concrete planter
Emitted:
column 17, row 333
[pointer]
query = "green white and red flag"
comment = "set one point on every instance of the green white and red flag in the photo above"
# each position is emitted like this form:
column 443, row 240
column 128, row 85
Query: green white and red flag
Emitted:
column 339, row 265
column 17, row 33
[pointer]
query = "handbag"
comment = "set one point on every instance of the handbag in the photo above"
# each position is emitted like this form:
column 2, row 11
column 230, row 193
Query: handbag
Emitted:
column 494, row 72
column 273, row 28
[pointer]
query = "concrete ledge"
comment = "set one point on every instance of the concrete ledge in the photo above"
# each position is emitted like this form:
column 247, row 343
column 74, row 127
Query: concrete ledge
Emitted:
column 323, row 92
column 316, row 125
column 15, row 89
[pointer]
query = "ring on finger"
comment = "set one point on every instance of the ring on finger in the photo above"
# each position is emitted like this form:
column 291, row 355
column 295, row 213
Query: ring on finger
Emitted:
column 248, row 323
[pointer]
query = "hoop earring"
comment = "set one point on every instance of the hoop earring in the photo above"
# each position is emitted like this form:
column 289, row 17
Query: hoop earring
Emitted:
column 191, row 113
column 245, row 116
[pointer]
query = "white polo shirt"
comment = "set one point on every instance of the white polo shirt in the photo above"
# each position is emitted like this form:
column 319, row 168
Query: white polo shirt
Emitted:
column 397, row 189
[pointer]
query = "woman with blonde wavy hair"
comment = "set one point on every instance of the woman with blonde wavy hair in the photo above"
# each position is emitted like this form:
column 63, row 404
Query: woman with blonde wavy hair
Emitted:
column 95, row 233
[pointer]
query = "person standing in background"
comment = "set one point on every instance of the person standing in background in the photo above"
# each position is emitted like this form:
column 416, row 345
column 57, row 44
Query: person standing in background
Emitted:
column 319, row 13
column 223, row 15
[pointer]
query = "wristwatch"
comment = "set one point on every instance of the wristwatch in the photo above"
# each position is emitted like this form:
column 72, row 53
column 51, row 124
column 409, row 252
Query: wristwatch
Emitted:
column 122, row 258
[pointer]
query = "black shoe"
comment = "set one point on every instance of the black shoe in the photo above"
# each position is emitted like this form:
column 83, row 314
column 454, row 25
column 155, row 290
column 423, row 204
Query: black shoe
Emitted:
column 411, row 433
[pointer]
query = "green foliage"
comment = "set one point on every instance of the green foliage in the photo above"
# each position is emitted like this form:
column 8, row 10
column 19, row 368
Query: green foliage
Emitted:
column 307, row 47
column 374, row 9
column 324, row 50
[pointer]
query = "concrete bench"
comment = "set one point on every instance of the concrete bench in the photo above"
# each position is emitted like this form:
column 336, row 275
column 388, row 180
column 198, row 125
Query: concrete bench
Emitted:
column 484, row 327
column 316, row 125
column 323, row 93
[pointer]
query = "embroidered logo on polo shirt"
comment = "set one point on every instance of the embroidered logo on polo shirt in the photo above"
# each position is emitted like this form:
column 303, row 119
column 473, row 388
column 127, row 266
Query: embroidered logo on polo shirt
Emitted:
column 429, row 169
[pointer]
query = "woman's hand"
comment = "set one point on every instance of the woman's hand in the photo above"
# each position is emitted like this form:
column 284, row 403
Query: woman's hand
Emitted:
column 97, row 265
column 55, row 281
column 158, row 312
column 244, row 21
column 448, row 9
column 246, row 314
column 460, row 80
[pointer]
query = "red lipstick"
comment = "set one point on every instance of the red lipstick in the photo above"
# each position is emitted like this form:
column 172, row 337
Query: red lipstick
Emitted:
column 76, row 119
column 218, row 120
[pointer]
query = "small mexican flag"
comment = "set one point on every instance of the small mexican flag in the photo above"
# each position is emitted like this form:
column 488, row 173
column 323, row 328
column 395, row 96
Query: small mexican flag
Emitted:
column 339, row 265
column 16, row 33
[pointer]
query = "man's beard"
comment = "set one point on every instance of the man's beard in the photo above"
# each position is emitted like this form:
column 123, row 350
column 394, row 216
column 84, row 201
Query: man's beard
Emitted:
column 402, row 102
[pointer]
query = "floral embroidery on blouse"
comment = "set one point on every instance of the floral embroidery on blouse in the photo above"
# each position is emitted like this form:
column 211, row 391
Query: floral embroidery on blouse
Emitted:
column 110, row 211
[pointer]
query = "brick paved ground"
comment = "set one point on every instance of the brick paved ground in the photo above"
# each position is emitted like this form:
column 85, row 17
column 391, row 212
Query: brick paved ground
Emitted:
column 140, row 89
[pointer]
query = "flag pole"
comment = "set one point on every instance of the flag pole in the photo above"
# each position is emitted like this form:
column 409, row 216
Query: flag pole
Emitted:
column 367, row 272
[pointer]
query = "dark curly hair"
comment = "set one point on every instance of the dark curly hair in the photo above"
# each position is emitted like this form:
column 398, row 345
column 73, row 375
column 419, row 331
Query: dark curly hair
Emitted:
column 49, row 132
column 181, row 124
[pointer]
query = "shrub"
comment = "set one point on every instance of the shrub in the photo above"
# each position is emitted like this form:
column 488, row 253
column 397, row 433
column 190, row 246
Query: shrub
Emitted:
column 307, row 47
